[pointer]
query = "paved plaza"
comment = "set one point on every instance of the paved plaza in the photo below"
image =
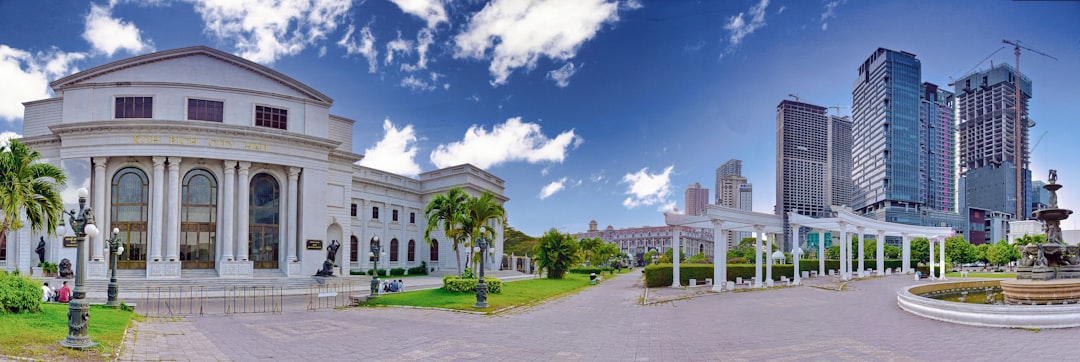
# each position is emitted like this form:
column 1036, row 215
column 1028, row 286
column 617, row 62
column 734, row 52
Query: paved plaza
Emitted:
column 609, row 322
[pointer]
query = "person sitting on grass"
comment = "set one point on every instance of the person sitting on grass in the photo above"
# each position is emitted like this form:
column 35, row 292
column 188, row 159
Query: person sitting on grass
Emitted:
column 64, row 294
column 47, row 293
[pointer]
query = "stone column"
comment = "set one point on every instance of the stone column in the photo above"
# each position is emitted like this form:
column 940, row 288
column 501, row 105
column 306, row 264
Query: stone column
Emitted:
column 905, row 243
column 242, row 216
column 862, row 251
column 173, row 231
column 844, row 242
column 821, row 252
column 675, row 257
column 769, row 259
column 795, row 247
column 291, row 228
column 758, row 230
column 157, row 223
column 228, row 211
column 941, row 275
column 880, row 252
column 98, row 204
column 719, row 256
column 931, row 257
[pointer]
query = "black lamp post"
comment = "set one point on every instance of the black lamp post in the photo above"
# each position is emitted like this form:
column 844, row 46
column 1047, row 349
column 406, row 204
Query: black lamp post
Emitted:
column 481, row 285
column 82, row 223
column 376, row 249
column 115, row 249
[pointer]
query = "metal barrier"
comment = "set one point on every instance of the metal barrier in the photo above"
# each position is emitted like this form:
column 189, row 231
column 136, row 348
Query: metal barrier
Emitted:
column 331, row 295
column 173, row 300
column 252, row 299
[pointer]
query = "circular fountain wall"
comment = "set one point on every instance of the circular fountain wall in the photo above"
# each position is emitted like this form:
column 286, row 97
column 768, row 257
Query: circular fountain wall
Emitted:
column 985, row 315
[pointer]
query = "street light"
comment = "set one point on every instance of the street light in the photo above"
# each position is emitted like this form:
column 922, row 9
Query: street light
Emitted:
column 481, row 285
column 82, row 223
column 115, row 249
column 656, row 257
column 376, row 249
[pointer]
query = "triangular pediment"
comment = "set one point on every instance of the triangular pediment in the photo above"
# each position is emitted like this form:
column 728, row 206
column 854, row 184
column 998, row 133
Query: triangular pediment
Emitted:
column 193, row 65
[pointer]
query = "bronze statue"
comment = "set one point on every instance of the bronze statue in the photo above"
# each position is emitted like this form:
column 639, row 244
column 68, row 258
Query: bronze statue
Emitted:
column 41, row 250
column 327, row 269
column 65, row 269
column 1053, row 176
column 331, row 251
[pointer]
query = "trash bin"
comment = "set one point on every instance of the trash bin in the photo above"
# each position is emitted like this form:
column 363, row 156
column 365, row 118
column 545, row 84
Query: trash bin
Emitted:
column 592, row 278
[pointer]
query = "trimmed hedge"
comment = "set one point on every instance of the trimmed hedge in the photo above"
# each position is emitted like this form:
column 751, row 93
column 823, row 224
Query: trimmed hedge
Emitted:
column 397, row 271
column 452, row 283
column 382, row 272
column 19, row 294
column 356, row 272
column 661, row 275
column 419, row 270
column 925, row 269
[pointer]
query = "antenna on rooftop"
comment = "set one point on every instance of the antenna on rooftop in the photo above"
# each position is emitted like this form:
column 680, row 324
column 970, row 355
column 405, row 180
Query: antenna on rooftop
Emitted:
column 796, row 96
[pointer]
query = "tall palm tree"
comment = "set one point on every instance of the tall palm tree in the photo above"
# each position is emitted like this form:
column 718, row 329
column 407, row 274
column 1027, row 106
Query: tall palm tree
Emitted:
column 556, row 253
column 484, row 215
column 446, row 212
column 30, row 188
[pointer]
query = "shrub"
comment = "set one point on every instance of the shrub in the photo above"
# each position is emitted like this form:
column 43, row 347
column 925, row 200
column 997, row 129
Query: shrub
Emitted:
column 419, row 270
column 382, row 272
column 661, row 275
column 356, row 272
column 739, row 260
column 586, row 270
column 19, row 294
column 397, row 271
column 468, row 285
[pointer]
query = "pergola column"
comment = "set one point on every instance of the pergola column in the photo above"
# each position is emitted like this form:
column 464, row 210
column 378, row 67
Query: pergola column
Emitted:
column 769, row 259
column 719, row 256
column 931, row 257
column 881, row 252
column 906, row 253
column 795, row 254
column 759, row 230
column 942, row 274
column 675, row 257
column 862, row 251
column 821, row 252
column 844, row 258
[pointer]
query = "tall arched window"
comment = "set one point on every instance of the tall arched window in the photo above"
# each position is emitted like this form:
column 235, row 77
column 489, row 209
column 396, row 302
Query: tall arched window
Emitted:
column 130, row 201
column 412, row 250
column 354, row 245
column 701, row 248
column 265, row 220
column 434, row 250
column 198, row 220
column 393, row 250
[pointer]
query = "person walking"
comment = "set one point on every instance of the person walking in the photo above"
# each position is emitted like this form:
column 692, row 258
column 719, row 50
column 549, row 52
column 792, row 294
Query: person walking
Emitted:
column 64, row 294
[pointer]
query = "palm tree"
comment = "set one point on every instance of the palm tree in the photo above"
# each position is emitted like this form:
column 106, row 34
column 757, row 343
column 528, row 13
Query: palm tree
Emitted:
column 446, row 212
column 29, row 188
column 484, row 213
column 556, row 254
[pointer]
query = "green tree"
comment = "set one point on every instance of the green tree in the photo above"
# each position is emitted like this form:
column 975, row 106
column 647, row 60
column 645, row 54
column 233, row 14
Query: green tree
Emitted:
column 981, row 250
column 1000, row 253
column 588, row 247
column 31, row 188
column 1031, row 239
column 959, row 251
column 920, row 250
column 556, row 253
column 833, row 252
column 698, row 258
column 484, row 216
column 517, row 243
column 666, row 258
column 446, row 212
column 605, row 253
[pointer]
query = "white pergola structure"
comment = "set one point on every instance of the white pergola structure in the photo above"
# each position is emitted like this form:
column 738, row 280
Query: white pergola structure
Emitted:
column 846, row 221
column 723, row 219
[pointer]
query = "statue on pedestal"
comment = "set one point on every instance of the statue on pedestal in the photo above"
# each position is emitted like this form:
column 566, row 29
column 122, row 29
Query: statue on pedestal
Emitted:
column 41, row 250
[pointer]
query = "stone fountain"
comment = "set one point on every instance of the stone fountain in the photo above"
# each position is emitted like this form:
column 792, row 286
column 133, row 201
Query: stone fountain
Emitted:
column 1048, row 273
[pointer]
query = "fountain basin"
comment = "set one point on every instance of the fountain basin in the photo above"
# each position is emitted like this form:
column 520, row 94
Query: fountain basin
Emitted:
column 984, row 315
column 1027, row 291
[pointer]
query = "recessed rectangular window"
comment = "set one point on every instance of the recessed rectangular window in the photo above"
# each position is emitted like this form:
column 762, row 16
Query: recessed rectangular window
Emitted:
column 374, row 212
column 412, row 217
column 134, row 107
column 352, row 210
column 271, row 117
column 205, row 110
column 394, row 215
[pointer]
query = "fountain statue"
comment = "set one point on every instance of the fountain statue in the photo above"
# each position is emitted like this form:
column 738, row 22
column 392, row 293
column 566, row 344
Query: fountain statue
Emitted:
column 1047, row 273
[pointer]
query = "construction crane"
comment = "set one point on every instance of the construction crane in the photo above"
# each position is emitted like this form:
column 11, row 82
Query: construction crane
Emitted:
column 1038, row 141
column 796, row 96
column 1016, row 127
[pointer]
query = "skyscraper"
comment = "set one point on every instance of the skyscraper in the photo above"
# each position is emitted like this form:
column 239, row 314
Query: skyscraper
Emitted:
column 892, row 158
column 840, row 160
column 733, row 190
column 696, row 199
column 985, row 100
column 802, row 162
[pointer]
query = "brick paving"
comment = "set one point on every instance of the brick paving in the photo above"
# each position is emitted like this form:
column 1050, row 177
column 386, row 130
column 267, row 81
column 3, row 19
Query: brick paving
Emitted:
column 609, row 323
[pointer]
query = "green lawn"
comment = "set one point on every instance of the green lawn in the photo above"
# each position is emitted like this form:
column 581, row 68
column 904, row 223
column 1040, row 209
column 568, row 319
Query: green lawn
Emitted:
column 983, row 275
column 38, row 335
column 515, row 293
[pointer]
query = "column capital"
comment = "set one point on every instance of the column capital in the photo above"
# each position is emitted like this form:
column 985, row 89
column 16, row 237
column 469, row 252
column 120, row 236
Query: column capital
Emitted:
column 293, row 172
column 904, row 235
column 244, row 165
column 758, row 228
column 174, row 162
column 881, row 232
column 717, row 223
column 861, row 229
column 230, row 166
column 100, row 161
column 842, row 224
column 159, row 161
column 795, row 227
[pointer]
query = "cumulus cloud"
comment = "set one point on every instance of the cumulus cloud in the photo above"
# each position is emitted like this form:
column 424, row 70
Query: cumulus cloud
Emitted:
column 109, row 35
column 396, row 152
column 432, row 11
column 366, row 47
column 562, row 75
column 511, row 141
column 26, row 76
column 263, row 31
column 830, row 12
column 519, row 32
column 743, row 24
column 552, row 188
column 647, row 189
column 7, row 136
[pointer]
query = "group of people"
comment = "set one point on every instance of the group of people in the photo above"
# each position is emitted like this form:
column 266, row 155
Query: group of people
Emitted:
column 397, row 285
column 62, row 295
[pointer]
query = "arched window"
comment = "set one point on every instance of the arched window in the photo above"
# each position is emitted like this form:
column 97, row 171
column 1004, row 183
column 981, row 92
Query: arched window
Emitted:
column 434, row 250
column 265, row 220
column 354, row 246
column 130, row 201
column 393, row 250
column 198, row 220
column 701, row 248
column 412, row 250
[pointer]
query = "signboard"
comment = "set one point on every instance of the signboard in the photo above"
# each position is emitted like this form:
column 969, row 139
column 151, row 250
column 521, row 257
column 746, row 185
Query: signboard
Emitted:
column 70, row 242
column 314, row 244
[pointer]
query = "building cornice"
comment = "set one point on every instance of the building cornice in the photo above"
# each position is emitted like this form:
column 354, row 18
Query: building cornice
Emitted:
column 192, row 127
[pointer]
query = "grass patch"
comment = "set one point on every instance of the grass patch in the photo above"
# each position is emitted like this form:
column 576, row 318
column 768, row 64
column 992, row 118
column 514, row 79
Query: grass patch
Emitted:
column 38, row 335
column 983, row 275
column 514, row 293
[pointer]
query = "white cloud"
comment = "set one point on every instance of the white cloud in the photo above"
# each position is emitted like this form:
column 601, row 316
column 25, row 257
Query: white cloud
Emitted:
column 518, row 32
column 552, row 188
column 26, row 76
column 399, row 45
column 648, row 189
column 265, row 30
column 830, row 12
column 109, row 35
column 740, row 26
column 414, row 83
column 365, row 48
column 396, row 152
column 507, row 142
column 633, row 4
column 423, row 41
column 562, row 75
column 597, row 177
column 6, row 136
column 781, row 10
column 432, row 11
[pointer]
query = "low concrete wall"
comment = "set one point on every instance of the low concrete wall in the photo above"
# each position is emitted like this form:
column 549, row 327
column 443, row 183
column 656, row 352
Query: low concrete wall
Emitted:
column 985, row 315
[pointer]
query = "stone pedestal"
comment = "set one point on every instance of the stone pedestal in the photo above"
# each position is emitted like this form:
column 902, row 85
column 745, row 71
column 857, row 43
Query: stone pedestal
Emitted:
column 163, row 270
column 97, row 270
column 293, row 268
column 236, row 269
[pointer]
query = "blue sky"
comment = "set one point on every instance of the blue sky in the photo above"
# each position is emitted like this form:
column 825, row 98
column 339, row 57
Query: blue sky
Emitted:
column 589, row 109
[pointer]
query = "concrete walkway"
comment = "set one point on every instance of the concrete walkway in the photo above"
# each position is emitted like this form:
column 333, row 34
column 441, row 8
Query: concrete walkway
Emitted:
column 609, row 323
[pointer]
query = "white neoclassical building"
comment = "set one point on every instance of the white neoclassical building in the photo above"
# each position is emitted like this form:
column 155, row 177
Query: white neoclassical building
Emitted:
column 211, row 165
